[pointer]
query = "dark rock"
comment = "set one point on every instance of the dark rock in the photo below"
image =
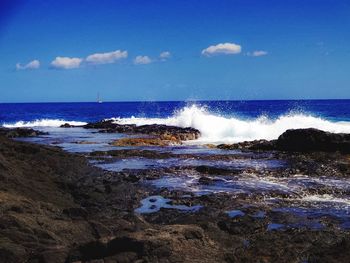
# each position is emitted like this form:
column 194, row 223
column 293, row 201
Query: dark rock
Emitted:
column 205, row 180
column 67, row 125
column 214, row 170
column 20, row 132
column 75, row 212
column 298, row 140
column 164, row 132
column 305, row 140
column 11, row 252
column 249, row 145
column 134, row 153
column 103, row 124
column 100, row 249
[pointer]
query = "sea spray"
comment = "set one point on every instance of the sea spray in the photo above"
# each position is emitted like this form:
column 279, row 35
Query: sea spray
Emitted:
column 216, row 128
column 41, row 123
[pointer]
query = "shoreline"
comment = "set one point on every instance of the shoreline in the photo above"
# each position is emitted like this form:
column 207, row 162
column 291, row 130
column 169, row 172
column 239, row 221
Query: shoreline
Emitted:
column 56, row 207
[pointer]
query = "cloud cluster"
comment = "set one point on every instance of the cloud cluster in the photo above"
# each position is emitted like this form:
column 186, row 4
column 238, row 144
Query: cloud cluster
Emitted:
column 257, row 53
column 34, row 64
column 142, row 60
column 66, row 63
column 164, row 55
column 93, row 59
column 106, row 58
column 222, row 49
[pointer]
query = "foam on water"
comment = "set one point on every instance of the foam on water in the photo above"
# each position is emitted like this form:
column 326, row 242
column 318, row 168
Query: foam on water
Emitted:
column 41, row 123
column 216, row 128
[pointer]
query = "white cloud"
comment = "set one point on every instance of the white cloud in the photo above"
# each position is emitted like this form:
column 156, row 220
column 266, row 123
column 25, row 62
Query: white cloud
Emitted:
column 164, row 55
column 34, row 64
column 142, row 60
column 66, row 62
column 257, row 53
column 106, row 58
column 222, row 48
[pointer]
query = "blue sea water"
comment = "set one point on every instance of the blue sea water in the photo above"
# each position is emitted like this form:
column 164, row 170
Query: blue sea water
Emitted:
column 92, row 111
column 218, row 121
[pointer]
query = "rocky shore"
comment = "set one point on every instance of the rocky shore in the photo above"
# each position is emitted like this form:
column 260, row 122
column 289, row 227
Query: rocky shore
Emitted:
column 299, row 140
column 57, row 207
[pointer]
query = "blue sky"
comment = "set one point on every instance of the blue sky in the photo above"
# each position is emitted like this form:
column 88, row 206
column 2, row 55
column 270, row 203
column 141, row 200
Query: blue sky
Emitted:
column 71, row 50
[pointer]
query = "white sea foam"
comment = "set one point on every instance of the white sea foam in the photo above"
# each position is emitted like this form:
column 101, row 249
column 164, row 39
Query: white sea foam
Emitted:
column 41, row 123
column 215, row 128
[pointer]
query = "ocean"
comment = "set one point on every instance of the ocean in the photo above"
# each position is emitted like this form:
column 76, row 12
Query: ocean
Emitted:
column 218, row 121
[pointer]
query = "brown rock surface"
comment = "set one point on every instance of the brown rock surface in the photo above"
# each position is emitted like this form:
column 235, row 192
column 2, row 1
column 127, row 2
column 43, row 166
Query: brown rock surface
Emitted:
column 164, row 132
column 55, row 207
column 145, row 142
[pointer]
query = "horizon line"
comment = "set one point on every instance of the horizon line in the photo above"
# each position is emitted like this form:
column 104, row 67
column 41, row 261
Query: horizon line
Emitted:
column 204, row 100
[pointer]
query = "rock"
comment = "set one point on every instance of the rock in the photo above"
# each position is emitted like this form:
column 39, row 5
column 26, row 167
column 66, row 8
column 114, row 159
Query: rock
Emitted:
column 11, row 252
column 103, row 124
column 204, row 169
column 34, row 190
column 305, row 140
column 20, row 132
column 298, row 140
column 169, row 132
column 85, row 142
column 144, row 142
column 67, row 125
column 53, row 256
column 75, row 212
column 205, row 180
column 249, row 145
column 164, row 132
column 55, row 207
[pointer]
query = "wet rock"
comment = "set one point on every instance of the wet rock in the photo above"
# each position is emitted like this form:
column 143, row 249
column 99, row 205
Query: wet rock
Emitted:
column 20, row 132
column 205, row 180
column 67, row 125
column 108, row 124
column 144, row 142
column 214, row 170
column 298, row 140
column 85, row 142
column 164, row 132
column 249, row 145
column 305, row 140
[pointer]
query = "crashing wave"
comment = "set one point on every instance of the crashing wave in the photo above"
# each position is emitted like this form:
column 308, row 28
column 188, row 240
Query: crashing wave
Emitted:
column 41, row 123
column 215, row 128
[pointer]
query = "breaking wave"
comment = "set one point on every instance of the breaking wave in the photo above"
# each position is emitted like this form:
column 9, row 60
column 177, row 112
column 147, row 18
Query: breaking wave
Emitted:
column 41, row 123
column 216, row 128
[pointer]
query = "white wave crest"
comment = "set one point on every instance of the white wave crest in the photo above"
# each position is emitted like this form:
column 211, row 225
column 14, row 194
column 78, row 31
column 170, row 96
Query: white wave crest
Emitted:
column 41, row 123
column 216, row 129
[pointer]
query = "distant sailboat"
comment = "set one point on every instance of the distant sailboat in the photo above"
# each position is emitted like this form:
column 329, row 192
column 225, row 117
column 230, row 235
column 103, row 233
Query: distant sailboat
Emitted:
column 98, row 98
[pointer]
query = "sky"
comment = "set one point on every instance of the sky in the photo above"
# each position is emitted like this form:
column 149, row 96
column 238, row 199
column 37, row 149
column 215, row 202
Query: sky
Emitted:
column 136, row 50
